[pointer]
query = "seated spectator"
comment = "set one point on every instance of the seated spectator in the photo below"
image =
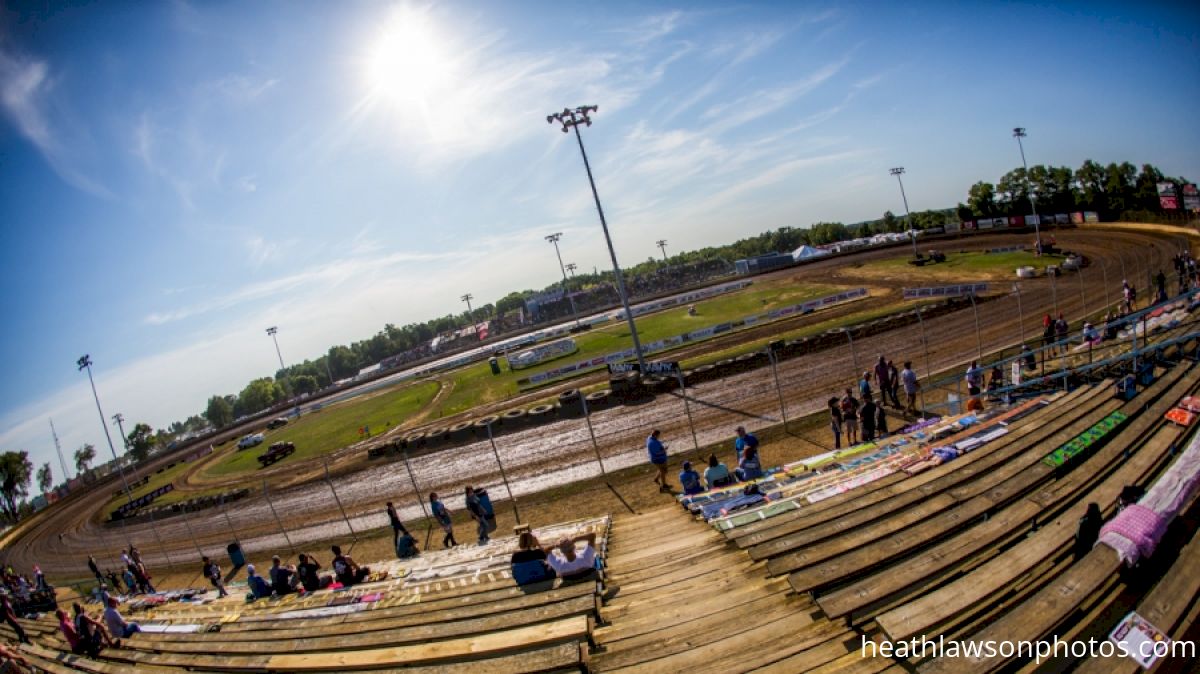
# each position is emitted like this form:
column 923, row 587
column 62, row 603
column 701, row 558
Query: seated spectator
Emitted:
column 717, row 475
column 212, row 571
column 690, row 479
column 974, row 404
column 308, row 570
column 1090, row 334
column 91, row 636
column 569, row 565
column 258, row 586
column 743, row 441
column 749, row 468
column 881, row 427
column 283, row 578
column 529, row 563
column 347, row 571
column 1028, row 359
column 117, row 625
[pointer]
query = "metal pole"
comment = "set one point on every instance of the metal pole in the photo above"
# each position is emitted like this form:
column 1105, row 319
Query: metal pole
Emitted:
column 978, row 339
column 686, row 407
column 187, row 523
column 1054, row 292
column 1104, row 280
column 1019, row 133
column 339, row 501
column 120, row 419
column 416, row 490
column 511, row 497
column 912, row 234
column 779, row 389
column 1082, row 296
column 1020, row 312
column 637, row 344
column 853, row 352
column 267, row 495
column 553, row 238
column 925, row 347
column 587, row 416
column 229, row 522
column 1124, row 276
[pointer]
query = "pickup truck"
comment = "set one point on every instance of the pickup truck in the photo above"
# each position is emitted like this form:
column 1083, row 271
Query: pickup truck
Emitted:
column 278, row 422
column 276, row 452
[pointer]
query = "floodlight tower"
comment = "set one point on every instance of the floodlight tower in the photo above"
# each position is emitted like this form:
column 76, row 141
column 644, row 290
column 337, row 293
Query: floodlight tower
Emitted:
column 553, row 238
column 571, row 268
column 85, row 363
column 899, row 171
column 471, row 314
column 1019, row 133
column 571, row 119
column 662, row 245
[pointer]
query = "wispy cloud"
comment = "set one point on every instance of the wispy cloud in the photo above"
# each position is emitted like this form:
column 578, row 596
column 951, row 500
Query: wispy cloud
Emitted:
column 26, row 88
column 764, row 102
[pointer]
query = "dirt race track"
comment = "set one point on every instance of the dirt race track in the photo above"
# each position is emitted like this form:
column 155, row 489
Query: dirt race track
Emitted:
column 561, row 452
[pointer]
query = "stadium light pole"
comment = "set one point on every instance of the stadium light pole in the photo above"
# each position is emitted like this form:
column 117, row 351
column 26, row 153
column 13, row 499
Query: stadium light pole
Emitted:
column 912, row 233
column 662, row 245
column 1019, row 133
column 272, row 332
column 571, row 119
column 470, row 314
column 553, row 238
column 571, row 268
column 85, row 363
column 119, row 420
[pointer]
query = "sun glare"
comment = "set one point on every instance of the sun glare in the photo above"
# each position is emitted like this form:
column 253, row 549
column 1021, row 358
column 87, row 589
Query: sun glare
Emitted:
column 408, row 61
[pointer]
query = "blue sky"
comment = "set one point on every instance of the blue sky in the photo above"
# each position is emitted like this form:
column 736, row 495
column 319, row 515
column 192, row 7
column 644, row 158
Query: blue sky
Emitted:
column 177, row 176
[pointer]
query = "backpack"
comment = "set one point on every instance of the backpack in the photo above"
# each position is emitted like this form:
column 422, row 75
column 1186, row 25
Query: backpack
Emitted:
column 406, row 547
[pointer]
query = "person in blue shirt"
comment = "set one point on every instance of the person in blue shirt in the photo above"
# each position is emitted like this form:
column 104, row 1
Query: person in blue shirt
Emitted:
column 717, row 475
column 689, row 479
column 749, row 468
column 658, row 458
column 442, row 515
column 743, row 441
column 258, row 585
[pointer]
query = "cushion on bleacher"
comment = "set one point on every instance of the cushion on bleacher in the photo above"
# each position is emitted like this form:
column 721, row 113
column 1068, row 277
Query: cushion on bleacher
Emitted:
column 533, row 571
column 1180, row 416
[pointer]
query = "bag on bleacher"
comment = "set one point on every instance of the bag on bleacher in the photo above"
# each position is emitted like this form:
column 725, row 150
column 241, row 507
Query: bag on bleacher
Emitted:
column 406, row 547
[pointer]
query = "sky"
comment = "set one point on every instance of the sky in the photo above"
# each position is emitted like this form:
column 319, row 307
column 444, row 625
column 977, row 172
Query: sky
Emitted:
column 177, row 176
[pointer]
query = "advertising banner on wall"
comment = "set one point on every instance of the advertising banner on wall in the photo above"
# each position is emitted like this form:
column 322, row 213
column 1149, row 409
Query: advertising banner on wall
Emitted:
column 1091, row 216
column 1062, row 219
column 1167, row 199
column 945, row 291
column 1191, row 198
column 1077, row 218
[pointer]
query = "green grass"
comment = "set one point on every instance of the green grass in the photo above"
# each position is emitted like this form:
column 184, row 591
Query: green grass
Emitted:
column 475, row 385
column 967, row 266
column 334, row 427
column 156, row 480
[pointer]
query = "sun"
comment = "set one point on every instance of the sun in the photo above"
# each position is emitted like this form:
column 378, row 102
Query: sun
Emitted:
column 408, row 61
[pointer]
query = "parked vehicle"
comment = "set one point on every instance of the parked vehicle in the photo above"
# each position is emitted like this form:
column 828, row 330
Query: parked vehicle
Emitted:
column 252, row 440
column 276, row 452
column 278, row 422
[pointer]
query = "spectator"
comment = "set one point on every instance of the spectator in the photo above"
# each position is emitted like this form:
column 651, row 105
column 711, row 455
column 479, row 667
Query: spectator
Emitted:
column 442, row 515
column 347, row 571
column 689, row 480
column 849, row 406
column 489, row 512
column 283, row 578
column 995, row 380
column 258, row 586
column 658, row 458
column 212, row 571
column 864, row 387
column 974, row 378
column 1061, row 331
column 894, row 382
column 881, row 379
column 529, row 562
column 130, row 580
column 1028, row 359
column 117, row 625
column 95, row 569
column 1088, row 531
column 835, row 422
column 10, row 617
column 570, row 565
column 475, row 509
column 308, row 569
column 909, row 379
column 397, row 526
column 1047, row 338
column 717, row 475
column 1090, row 334
column 92, row 632
column 78, row 645
column 749, row 468
column 868, row 419
column 743, row 441
column 881, row 427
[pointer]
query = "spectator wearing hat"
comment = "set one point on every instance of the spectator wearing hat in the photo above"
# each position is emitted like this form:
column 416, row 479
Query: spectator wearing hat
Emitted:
column 744, row 440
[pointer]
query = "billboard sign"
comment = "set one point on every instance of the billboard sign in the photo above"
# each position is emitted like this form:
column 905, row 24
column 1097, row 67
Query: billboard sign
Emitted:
column 945, row 291
column 1062, row 219
column 1167, row 199
column 1191, row 198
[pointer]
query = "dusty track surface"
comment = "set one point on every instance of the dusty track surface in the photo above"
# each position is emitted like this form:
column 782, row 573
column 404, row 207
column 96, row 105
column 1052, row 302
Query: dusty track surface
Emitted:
column 562, row 452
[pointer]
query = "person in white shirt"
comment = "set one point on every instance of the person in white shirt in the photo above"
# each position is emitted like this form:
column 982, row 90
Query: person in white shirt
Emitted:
column 572, row 565
column 117, row 625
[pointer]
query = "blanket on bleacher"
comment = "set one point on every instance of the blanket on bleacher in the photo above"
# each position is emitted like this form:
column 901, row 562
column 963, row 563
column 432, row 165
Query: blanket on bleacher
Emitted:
column 1135, row 531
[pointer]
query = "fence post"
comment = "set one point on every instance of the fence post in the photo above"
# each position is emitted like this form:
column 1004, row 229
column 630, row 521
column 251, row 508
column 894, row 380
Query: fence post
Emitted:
column 925, row 348
column 978, row 338
column 512, row 499
column 853, row 351
column 1082, row 296
column 267, row 495
column 337, row 500
column 187, row 523
column 1054, row 290
column 587, row 416
column 1020, row 311
column 778, row 388
column 687, row 407
column 1104, row 280
column 416, row 490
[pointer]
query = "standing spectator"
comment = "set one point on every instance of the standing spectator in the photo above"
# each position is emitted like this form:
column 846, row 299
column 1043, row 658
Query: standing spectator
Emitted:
column 750, row 467
column 489, row 512
column 909, row 379
column 130, row 581
column 117, row 625
column 743, row 441
column 974, row 378
column 864, row 387
column 881, row 428
column 212, row 571
column 882, row 379
column 348, row 571
column 835, row 422
column 397, row 526
column 868, row 419
column 442, row 515
column 717, row 475
column 1047, row 337
column 95, row 569
column 849, row 405
column 658, row 458
column 1028, row 360
column 995, row 381
column 475, row 508
column 10, row 617
column 894, row 381
column 1061, row 332
column 689, row 480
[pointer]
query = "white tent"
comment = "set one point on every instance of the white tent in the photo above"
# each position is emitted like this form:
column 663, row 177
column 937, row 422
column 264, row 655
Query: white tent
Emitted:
column 807, row 253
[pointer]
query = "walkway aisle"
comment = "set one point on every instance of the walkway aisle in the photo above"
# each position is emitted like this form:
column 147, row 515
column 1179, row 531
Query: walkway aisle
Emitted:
column 689, row 603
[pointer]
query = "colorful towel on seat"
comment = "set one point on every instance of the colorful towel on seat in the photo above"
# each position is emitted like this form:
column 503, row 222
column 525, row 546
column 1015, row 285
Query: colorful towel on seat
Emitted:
column 1191, row 404
column 1134, row 533
column 1180, row 416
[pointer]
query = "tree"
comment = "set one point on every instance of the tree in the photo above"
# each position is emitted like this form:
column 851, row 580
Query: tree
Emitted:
column 982, row 199
column 258, row 396
column 1090, row 177
column 890, row 223
column 15, row 472
column 304, row 383
column 140, row 442
column 45, row 478
column 219, row 412
column 84, row 456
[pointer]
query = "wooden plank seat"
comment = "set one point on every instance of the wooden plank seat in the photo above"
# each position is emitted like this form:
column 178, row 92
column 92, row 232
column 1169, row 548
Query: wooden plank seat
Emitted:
column 858, row 598
column 894, row 537
column 319, row 640
column 931, row 481
column 409, row 615
column 58, row 661
column 926, row 613
column 897, row 532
